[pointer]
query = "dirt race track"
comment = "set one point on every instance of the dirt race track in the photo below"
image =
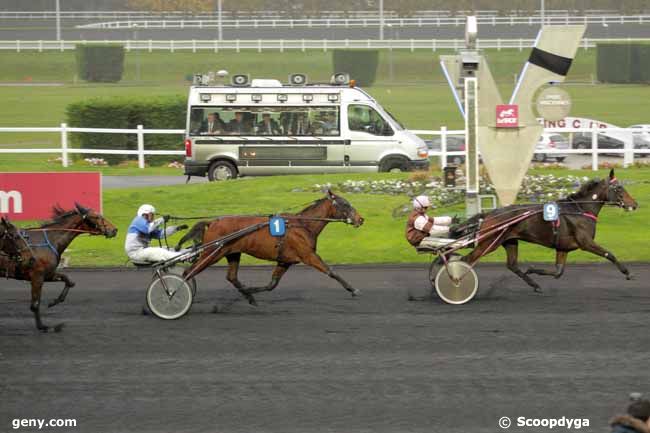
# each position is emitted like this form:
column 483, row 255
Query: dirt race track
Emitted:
column 310, row 358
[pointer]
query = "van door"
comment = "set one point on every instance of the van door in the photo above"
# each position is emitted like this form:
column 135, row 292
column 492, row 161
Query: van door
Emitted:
column 371, row 136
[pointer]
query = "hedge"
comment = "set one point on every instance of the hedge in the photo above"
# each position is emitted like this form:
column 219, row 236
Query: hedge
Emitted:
column 100, row 63
column 154, row 113
column 360, row 64
column 623, row 63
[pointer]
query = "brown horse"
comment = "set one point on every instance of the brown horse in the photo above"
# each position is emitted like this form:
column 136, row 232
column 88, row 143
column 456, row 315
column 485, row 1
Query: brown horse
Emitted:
column 298, row 245
column 45, row 246
column 575, row 229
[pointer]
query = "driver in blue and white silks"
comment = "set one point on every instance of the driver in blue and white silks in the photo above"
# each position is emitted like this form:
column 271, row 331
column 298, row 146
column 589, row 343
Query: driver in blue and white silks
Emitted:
column 143, row 228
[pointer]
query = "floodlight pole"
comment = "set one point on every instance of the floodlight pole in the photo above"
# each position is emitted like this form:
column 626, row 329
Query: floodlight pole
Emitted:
column 381, row 20
column 542, row 11
column 58, row 21
column 470, row 62
column 219, row 26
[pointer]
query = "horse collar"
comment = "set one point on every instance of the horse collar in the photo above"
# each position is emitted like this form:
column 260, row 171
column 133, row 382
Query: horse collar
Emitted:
column 590, row 216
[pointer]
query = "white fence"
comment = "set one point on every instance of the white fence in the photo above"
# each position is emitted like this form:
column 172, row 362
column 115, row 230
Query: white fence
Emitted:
column 628, row 151
column 291, row 44
column 95, row 15
column 371, row 21
column 65, row 150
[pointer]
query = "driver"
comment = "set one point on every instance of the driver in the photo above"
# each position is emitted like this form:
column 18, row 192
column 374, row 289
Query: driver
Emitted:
column 421, row 229
column 143, row 228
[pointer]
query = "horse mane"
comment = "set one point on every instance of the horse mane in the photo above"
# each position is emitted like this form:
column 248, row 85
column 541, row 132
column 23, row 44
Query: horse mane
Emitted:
column 313, row 205
column 59, row 214
column 584, row 190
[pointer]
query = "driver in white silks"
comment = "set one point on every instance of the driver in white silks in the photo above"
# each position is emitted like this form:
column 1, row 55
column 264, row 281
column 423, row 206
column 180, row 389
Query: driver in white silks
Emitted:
column 423, row 230
column 143, row 228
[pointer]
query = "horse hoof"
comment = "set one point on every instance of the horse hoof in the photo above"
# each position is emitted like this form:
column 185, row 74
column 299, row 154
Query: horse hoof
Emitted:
column 59, row 327
column 538, row 290
column 629, row 277
column 145, row 311
column 215, row 309
column 44, row 329
column 356, row 292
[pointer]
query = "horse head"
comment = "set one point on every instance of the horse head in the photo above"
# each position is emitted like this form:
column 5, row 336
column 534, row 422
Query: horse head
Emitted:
column 616, row 193
column 342, row 209
column 9, row 237
column 95, row 223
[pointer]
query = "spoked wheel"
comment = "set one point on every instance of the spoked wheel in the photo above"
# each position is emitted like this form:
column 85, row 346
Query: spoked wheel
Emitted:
column 456, row 283
column 169, row 296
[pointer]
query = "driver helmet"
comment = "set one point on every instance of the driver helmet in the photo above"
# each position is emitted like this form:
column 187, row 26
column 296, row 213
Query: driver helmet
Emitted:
column 421, row 202
column 145, row 209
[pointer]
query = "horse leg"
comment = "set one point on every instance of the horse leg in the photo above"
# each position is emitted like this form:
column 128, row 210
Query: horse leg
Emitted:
column 589, row 245
column 314, row 260
column 37, row 290
column 64, row 293
column 512, row 248
column 278, row 272
column 233, row 268
column 560, row 262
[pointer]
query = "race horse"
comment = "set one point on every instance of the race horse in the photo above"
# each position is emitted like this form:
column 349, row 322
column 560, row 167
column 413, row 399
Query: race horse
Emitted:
column 298, row 245
column 40, row 249
column 575, row 228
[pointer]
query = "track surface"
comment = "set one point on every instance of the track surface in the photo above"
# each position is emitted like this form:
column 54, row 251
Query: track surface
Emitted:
column 310, row 358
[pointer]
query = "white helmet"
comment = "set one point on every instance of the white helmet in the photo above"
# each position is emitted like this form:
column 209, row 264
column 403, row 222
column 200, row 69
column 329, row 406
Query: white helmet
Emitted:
column 146, row 208
column 421, row 202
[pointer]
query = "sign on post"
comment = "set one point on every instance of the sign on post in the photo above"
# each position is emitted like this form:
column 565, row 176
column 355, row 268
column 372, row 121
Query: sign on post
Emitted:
column 507, row 116
column 31, row 196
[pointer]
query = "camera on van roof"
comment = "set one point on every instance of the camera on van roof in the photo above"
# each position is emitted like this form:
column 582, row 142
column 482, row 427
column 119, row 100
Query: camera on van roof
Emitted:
column 241, row 80
column 340, row 79
column 297, row 79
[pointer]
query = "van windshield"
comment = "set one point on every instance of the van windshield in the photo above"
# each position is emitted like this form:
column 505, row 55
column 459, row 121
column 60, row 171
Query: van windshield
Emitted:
column 394, row 119
column 267, row 121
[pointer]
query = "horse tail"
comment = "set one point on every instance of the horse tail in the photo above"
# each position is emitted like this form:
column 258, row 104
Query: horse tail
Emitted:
column 195, row 234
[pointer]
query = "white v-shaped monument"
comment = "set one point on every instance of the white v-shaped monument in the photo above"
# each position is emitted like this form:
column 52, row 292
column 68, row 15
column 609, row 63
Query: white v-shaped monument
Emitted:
column 507, row 133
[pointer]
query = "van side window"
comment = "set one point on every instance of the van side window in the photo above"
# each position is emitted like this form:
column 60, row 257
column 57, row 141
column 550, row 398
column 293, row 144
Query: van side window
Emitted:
column 265, row 121
column 365, row 119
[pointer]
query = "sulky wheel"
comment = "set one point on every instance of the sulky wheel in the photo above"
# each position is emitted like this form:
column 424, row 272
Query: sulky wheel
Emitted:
column 169, row 296
column 456, row 283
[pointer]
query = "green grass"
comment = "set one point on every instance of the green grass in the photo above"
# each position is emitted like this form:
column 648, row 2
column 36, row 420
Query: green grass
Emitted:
column 379, row 240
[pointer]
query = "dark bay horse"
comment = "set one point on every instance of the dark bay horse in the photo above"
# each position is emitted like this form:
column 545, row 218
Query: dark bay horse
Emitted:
column 298, row 245
column 575, row 229
column 45, row 245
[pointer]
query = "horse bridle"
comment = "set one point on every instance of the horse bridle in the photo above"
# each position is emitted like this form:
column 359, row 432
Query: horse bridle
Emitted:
column 101, row 229
column 614, row 187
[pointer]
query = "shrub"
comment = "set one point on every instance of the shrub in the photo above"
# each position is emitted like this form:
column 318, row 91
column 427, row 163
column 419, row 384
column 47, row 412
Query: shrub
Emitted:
column 154, row 113
column 100, row 63
column 360, row 64
column 623, row 63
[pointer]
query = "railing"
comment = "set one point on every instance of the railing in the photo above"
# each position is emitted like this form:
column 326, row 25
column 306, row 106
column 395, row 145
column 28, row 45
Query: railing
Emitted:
column 65, row 150
column 370, row 21
column 628, row 151
column 41, row 15
column 293, row 44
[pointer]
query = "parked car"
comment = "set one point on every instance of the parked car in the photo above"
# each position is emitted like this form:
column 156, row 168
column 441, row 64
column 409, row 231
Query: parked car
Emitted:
column 549, row 141
column 454, row 144
column 641, row 136
column 582, row 140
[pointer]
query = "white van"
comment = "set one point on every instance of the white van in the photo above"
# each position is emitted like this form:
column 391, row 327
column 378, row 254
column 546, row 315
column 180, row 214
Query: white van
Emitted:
column 263, row 127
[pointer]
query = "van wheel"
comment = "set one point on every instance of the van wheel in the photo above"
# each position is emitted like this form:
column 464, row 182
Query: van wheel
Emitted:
column 394, row 165
column 539, row 157
column 222, row 170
